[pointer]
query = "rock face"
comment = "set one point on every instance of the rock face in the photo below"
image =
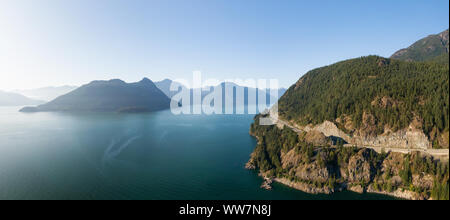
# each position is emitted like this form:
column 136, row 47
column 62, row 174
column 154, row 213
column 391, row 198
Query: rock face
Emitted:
column 251, row 164
column 358, row 175
column 405, row 138
column 290, row 159
column 359, row 168
column 285, row 156
column 267, row 184
column 384, row 102
column 408, row 138
column 357, row 171
column 329, row 129
column 312, row 172
column 317, row 138
column 423, row 181
column 404, row 194
column 308, row 188
column 356, row 188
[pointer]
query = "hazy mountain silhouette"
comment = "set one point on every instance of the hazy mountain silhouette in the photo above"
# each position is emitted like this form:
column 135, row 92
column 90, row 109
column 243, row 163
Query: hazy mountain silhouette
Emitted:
column 14, row 99
column 229, row 91
column 46, row 93
column 109, row 96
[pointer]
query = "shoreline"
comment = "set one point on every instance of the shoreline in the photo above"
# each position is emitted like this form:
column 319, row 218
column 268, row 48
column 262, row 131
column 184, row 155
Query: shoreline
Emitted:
column 321, row 187
column 310, row 189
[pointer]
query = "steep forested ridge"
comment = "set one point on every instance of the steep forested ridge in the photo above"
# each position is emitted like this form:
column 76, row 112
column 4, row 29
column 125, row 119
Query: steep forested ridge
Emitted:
column 394, row 92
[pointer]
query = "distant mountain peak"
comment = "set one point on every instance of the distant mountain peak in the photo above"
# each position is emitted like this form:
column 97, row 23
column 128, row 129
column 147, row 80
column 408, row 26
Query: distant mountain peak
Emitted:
column 112, row 81
column 166, row 81
column 15, row 99
column 146, row 80
column 119, row 81
column 432, row 48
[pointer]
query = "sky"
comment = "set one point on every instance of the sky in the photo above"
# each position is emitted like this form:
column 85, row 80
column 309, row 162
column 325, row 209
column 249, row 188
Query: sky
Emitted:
column 72, row 42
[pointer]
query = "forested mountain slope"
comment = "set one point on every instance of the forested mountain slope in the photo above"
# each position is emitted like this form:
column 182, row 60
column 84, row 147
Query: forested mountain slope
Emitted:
column 431, row 48
column 371, row 103
column 369, row 96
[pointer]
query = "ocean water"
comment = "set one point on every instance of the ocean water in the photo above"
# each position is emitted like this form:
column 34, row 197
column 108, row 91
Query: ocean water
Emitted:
column 133, row 156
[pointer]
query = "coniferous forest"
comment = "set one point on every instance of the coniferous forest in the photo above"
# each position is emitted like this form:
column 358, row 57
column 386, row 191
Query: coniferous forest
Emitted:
column 392, row 91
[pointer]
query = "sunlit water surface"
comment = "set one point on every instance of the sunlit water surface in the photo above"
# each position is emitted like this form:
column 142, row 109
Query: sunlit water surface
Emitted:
column 132, row 156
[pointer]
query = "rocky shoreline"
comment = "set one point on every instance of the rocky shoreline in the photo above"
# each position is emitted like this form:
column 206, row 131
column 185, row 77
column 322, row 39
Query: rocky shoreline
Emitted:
column 286, row 157
column 399, row 193
column 304, row 187
column 311, row 189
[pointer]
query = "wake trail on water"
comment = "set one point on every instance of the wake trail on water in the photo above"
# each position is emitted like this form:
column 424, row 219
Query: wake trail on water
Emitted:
column 111, row 155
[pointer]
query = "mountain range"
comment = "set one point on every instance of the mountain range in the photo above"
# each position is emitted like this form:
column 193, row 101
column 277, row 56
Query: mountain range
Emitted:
column 46, row 93
column 228, row 90
column 109, row 96
column 118, row 96
column 14, row 99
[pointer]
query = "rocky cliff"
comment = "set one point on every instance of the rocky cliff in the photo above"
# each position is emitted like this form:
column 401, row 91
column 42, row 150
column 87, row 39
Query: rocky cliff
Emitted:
column 407, row 138
column 288, row 157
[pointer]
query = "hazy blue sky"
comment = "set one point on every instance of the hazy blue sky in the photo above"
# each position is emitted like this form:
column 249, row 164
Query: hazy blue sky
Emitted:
column 50, row 42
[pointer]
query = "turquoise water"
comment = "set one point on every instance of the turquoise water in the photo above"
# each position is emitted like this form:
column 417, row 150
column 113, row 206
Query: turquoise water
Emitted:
column 132, row 156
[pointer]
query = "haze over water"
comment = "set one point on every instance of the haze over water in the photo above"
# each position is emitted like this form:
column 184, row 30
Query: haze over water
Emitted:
column 132, row 156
